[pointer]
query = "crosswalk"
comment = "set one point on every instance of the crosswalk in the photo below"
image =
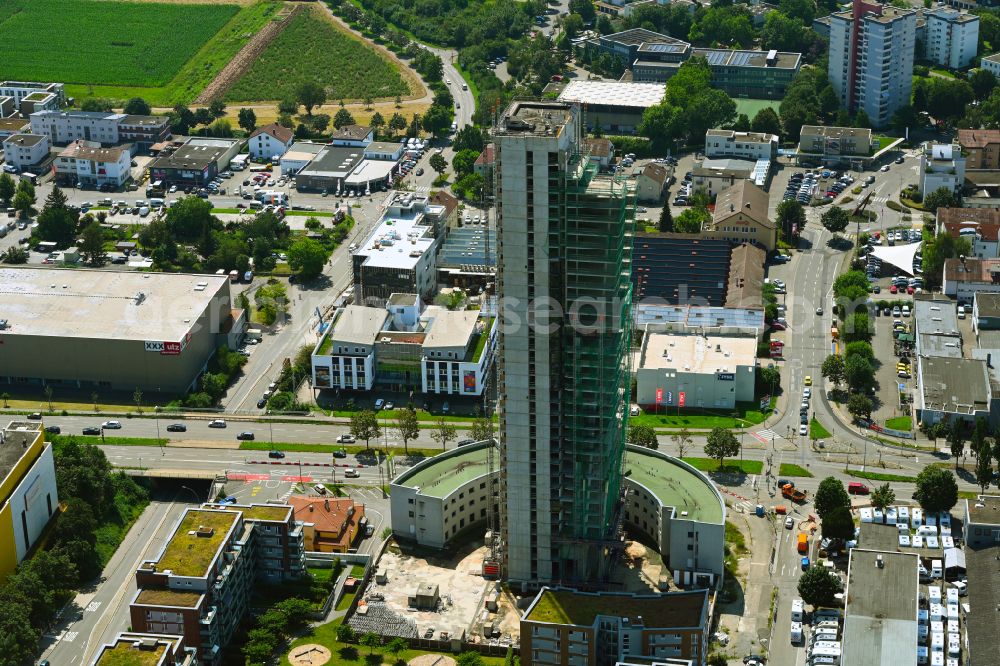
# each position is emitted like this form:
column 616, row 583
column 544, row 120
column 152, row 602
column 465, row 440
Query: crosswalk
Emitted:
column 765, row 436
column 744, row 506
column 424, row 189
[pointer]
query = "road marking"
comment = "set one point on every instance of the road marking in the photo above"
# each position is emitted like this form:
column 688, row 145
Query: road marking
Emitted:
column 297, row 479
column 765, row 436
column 70, row 636
column 93, row 606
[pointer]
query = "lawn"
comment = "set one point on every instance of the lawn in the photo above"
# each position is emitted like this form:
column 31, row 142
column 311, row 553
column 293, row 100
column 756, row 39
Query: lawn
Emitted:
column 788, row 469
column 107, row 441
column 712, row 465
column 817, row 431
column 313, row 48
column 884, row 141
column 745, row 414
column 899, row 423
column 347, row 654
column 878, row 476
column 752, row 106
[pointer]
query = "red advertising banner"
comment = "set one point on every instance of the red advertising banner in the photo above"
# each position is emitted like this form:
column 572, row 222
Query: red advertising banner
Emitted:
column 171, row 349
column 680, row 398
column 659, row 395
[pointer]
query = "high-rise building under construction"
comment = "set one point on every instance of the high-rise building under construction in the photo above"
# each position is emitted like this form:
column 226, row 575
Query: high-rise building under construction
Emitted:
column 564, row 249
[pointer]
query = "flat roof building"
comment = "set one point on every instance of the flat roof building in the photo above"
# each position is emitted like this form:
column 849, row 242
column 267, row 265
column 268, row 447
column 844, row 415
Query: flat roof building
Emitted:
column 834, row 143
column 28, row 493
column 138, row 649
column 115, row 330
column 617, row 105
column 711, row 371
column 742, row 145
column 199, row 585
column 196, row 162
column 399, row 255
column 937, row 328
column 981, row 531
column 952, row 389
column 880, row 618
column 468, row 258
column 669, row 504
column 563, row 627
column 25, row 151
column 330, row 168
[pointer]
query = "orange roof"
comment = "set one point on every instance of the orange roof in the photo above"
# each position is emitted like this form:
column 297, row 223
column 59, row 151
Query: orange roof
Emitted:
column 331, row 517
column 279, row 132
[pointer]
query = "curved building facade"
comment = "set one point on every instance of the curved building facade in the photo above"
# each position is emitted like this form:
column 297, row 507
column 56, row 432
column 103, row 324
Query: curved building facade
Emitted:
column 668, row 504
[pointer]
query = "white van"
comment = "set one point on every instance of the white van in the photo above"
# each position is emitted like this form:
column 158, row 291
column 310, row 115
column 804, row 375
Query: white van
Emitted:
column 962, row 588
column 797, row 610
column 796, row 633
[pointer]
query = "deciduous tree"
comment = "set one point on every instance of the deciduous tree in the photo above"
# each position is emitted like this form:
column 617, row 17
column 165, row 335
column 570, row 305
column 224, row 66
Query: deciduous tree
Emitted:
column 936, row 489
column 407, row 426
column 819, row 587
column 829, row 496
column 365, row 425
column 720, row 444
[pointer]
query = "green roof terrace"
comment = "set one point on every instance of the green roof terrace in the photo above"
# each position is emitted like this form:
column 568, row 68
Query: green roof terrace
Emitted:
column 154, row 596
column 258, row 511
column 445, row 473
column 125, row 653
column 196, row 542
column 560, row 606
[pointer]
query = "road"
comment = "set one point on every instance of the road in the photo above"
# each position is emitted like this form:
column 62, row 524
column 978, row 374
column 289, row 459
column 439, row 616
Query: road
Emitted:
column 94, row 617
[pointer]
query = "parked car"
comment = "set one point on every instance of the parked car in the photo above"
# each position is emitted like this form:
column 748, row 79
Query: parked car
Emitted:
column 176, row 427
column 379, row 403
column 262, row 403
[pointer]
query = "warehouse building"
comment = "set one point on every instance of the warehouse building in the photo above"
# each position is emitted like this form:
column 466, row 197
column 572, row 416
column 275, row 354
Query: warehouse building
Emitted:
column 691, row 370
column 880, row 618
column 196, row 162
column 28, row 494
column 98, row 329
column 669, row 504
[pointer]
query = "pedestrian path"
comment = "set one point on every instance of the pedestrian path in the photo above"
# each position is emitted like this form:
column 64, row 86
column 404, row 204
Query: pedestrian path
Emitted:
column 765, row 436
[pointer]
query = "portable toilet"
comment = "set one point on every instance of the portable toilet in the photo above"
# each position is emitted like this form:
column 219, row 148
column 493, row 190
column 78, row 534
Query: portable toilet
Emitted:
column 759, row 511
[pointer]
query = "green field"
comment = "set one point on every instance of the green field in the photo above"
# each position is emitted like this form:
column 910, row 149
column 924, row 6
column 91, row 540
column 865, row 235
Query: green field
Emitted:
column 312, row 48
column 752, row 106
column 166, row 53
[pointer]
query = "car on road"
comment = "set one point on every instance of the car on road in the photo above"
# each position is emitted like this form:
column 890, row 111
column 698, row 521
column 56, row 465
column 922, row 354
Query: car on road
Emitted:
column 112, row 425
column 35, row 416
column 217, row 423
column 805, row 563
column 346, row 439
column 789, row 523
column 808, row 381
column 177, row 427
column 369, row 531
column 351, row 473
column 245, row 435
column 276, row 454
column 803, row 429
column 819, row 311
column 53, row 430
column 899, row 160
column 856, row 488
column 807, row 393
column 262, row 403
column 91, row 430
column 420, row 171
column 885, row 167
column 339, row 453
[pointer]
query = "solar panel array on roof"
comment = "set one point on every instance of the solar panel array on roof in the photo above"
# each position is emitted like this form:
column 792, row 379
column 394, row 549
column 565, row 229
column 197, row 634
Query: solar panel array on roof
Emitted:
column 680, row 269
column 663, row 48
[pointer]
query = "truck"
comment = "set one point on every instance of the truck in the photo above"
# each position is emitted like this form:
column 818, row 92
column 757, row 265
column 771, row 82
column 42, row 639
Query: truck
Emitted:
column 234, row 276
column 789, row 491
column 802, row 544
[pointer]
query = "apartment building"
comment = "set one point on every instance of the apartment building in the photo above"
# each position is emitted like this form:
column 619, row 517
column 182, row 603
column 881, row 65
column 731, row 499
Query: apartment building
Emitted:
column 199, row 586
column 563, row 386
column 457, row 351
column 942, row 166
column 741, row 217
column 952, row 37
column 743, row 145
column 871, row 58
column 85, row 162
column 991, row 64
column 25, row 151
column 981, row 148
column 981, row 226
column 270, row 141
column 108, row 129
column 564, row 627
column 345, row 356
column 21, row 89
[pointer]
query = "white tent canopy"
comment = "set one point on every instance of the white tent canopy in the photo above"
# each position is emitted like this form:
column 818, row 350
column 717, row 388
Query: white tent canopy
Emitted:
column 900, row 256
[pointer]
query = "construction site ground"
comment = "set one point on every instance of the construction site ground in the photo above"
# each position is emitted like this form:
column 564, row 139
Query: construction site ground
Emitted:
column 461, row 586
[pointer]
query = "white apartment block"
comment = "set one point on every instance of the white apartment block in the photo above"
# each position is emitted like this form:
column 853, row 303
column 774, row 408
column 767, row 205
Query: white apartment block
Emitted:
column 65, row 127
column 952, row 37
column 24, row 151
column 455, row 359
column 991, row 64
column 941, row 165
column 21, row 89
column 874, row 70
column 745, row 145
column 345, row 357
column 89, row 164
column 270, row 141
